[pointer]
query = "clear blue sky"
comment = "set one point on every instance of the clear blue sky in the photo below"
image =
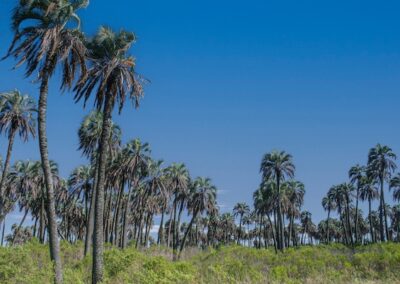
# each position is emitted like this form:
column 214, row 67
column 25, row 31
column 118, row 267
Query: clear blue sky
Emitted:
column 233, row 80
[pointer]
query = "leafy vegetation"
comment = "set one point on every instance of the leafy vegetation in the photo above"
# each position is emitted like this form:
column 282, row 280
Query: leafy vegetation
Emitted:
column 378, row 263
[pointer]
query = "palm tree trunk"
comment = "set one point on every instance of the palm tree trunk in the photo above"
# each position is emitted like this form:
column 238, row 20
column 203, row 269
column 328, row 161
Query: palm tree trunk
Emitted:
column 240, row 229
column 381, row 208
column 371, row 229
column 115, row 223
column 327, row 226
column 7, row 161
column 51, row 207
column 2, row 233
column 356, row 215
column 160, row 238
column 186, row 234
column 281, row 228
column 126, row 217
column 98, row 240
column 19, row 226
column 90, row 221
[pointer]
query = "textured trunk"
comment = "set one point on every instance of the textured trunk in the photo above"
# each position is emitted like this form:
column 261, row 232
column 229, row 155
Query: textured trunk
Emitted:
column 327, row 226
column 371, row 229
column 115, row 227
column 90, row 220
column 240, row 229
column 41, row 222
column 356, row 221
column 7, row 161
column 98, row 237
column 2, row 234
column 126, row 217
column 381, row 208
column 177, row 228
column 160, row 239
column 51, row 207
column 280, row 220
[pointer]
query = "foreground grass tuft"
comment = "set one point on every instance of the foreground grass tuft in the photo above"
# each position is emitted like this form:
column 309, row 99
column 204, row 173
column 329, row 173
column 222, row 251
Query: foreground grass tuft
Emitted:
column 379, row 263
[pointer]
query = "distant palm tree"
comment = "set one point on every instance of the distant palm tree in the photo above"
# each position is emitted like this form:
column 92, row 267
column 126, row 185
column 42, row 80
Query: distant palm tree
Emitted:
column 203, row 198
column 43, row 39
column 112, row 73
column 380, row 165
column 329, row 204
column 178, row 181
column 240, row 209
column 368, row 191
column 16, row 116
column 278, row 165
column 355, row 175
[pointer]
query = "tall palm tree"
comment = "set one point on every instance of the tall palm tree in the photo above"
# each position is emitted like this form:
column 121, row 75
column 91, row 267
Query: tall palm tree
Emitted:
column 355, row 175
column 43, row 40
column 369, row 192
column 329, row 204
column 240, row 209
column 16, row 116
column 112, row 73
column 278, row 165
column 380, row 166
column 178, row 182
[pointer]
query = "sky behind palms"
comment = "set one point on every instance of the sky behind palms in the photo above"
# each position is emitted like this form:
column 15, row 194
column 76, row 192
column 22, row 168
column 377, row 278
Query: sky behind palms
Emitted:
column 232, row 80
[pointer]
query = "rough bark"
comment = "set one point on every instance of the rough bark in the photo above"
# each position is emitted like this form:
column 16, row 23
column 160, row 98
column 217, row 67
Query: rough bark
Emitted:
column 98, row 237
column 50, row 202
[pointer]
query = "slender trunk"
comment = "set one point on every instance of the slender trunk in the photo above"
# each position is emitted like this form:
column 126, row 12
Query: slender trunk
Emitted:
column 160, row 238
column 126, row 217
column 240, row 229
column 7, row 161
column 281, row 228
column 186, row 234
column 41, row 222
column 381, row 208
column 2, row 234
column 98, row 240
column 178, row 225
column 51, row 207
column 169, row 229
column 356, row 215
column 115, row 227
column 273, row 234
column 327, row 226
column 348, row 219
column 371, row 229
column 19, row 227
column 90, row 221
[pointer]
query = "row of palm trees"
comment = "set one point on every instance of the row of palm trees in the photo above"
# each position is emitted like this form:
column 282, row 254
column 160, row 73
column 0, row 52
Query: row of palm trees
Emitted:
column 366, row 183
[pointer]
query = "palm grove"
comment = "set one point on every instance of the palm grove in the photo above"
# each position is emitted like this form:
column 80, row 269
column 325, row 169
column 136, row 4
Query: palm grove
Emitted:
column 116, row 197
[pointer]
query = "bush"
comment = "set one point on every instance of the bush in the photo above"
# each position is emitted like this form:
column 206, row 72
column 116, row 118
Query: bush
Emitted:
column 378, row 263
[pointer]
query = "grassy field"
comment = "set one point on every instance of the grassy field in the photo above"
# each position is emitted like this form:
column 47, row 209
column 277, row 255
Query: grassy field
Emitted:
column 378, row 263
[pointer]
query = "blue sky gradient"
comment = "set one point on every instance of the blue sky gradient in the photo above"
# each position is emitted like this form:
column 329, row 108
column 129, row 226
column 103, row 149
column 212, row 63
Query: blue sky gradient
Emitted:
column 232, row 80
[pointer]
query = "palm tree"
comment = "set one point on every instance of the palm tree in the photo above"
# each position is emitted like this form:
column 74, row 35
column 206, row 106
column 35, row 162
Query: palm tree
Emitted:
column 240, row 209
column 329, row 204
column 202, row 199
column 112, row 71
column 16, row 116
column 278, row 165
column 368, row 191
column 178, row 182
column 42, row 40
column 355, row 175
column 380, row 166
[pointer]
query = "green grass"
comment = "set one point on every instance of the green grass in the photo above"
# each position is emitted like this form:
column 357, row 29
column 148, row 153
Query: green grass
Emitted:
column 379, row 263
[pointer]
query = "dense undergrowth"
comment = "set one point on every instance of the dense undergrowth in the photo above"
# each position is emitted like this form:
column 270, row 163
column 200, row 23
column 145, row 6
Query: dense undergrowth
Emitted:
column 379, row 263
